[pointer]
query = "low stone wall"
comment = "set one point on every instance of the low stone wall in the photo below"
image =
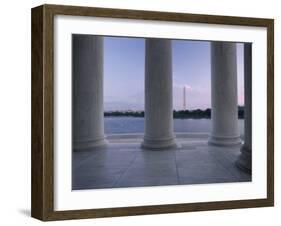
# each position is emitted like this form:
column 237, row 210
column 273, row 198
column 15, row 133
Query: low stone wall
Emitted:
column 140, row 136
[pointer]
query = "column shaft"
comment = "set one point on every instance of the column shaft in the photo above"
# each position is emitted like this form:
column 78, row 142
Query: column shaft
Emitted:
column 87, row 92
column 245, row 159
column 224, row 94
column 158, row 95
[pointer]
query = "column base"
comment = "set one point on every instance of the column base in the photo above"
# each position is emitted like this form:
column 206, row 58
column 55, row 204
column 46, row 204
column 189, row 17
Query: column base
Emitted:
column 159, row 144
column 90, row 144
column 244, row 161
column 224, row 141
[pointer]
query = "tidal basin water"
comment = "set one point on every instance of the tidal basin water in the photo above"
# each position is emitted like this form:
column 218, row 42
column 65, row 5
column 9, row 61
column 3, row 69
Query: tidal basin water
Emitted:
column 117, row 125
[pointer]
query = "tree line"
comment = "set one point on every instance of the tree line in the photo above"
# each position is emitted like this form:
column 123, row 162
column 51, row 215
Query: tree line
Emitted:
column 196, row 114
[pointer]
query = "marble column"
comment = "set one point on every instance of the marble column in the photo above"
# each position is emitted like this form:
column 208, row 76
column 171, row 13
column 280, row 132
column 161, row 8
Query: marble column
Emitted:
column 224, row 113
column 245, row 159
column 87, row 92
column 158, row 95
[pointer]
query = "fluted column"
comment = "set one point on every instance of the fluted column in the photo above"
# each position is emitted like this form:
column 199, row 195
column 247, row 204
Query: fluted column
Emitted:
column 158, row 95
column 224, row 94
column 245, row 159
column 87, row 92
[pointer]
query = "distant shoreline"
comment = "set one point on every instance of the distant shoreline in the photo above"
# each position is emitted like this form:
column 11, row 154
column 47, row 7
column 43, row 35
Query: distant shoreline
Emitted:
column 181, row 114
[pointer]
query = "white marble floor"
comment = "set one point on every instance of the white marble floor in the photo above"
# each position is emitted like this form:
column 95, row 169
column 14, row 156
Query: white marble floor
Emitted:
column 124, row 164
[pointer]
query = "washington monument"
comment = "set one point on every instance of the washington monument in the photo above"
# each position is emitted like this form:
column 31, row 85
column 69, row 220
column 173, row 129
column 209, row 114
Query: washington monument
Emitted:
column 184, row 98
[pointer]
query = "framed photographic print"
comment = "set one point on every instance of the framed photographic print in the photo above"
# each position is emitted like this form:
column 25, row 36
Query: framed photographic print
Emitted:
column 141, row 112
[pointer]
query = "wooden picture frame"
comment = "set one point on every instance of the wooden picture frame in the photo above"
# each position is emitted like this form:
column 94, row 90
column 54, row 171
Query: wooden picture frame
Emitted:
column 42, row 203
